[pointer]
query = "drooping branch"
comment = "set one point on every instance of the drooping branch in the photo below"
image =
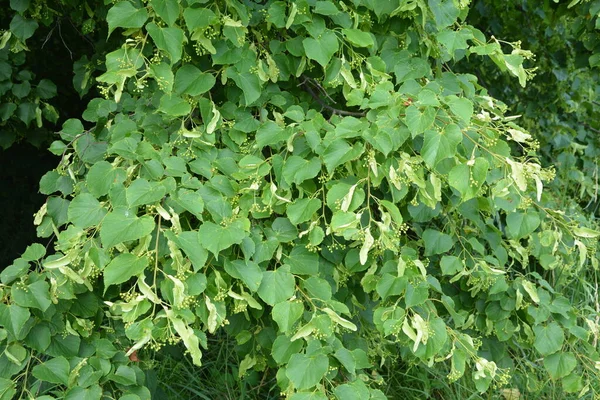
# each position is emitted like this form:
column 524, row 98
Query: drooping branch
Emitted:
column 306, row 85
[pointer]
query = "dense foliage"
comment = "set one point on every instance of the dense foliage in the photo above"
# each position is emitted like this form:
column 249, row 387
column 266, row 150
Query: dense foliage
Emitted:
column 336, row 186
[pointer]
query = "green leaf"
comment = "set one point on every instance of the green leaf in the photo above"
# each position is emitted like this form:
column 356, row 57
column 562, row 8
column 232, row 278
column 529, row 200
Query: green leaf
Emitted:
column 454, row 40
column 468, row 178
column 199, row 17
column 168, row 10
column 216, row 238
column 250, row 84
column 323, row 49
column 122, row 226
column 22, row 28
column 142, row 192
column 34, row 252
column 451, row 265
column 355, row 390
column 514, row 63
column 7, row 110
column 270, row 133
column 248, row 271
column 307, row 371
column 21, row 90
column 284, row 230
column 189, row 242
column 338, row 152
column 19, row 6
column 100, row 178
column 521, row 224
column 326, row 8
column 445, row 12
column 560, row 364
column 85, row 211
column 174, row 105
column 419, row 120
column 46, row 89
column 191, row 201
column 123, row 267
column 190, row 80
column 302, row 262
column 35, row 295
column 14, row 318
column 302, row 210
column 439, row 145
column 318, row 395
column 27, row 112
column 163, row 75
column 93, row 392
column 436, row 242
column 548, row 339
column 283, row 348
column 55, row 370
column 286, row 314
column 317, row 288
column 125, row 15
column 297, row 169
column 461, row 107
column 169, row 40
column 7, row 389
column 358, row 37
column 277, row 286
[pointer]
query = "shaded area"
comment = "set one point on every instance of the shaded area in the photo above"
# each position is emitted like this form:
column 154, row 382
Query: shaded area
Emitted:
column 21, row 167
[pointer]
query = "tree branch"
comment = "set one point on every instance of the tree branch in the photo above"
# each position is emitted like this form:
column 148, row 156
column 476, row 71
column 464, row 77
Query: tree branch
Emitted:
column 305, row 85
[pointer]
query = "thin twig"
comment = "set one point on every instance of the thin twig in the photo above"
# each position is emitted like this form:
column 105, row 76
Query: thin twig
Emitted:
column 319, row 100
column 591, row 128
column 63, row 40
column 48, row 36
column 321, row 89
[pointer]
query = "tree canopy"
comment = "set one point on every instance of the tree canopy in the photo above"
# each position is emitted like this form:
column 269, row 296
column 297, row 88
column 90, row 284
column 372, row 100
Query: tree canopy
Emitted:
column 340, row 187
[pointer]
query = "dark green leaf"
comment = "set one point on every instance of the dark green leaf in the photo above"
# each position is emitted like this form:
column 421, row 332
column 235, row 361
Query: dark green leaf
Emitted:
column 548, row 339
column 125, row 15
column 55, row 370
column 85, row 211
column 190, row 80
column 123, row 267
column 22, row 28
column 297, row 169
column 216, row 238
column 323, row 49
column 436, row 242
column 169, row 40
column 142, row 192
column 122, row 226
column 521, row 224
column 560, row 364
column 168, row 10
column 307, row 371
column 277, row 286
